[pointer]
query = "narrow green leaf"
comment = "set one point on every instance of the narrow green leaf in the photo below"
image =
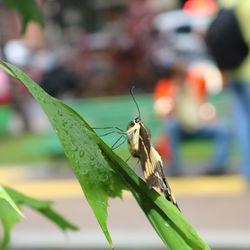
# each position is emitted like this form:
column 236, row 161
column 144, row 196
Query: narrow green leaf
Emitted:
column 43, row 207
column 9, row 215
column 28, row 11
column 93, row 172
column 102, row 173
column 162, row 214
column 4, row 195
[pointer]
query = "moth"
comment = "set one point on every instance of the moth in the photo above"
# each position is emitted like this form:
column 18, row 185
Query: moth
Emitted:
column 140, row 146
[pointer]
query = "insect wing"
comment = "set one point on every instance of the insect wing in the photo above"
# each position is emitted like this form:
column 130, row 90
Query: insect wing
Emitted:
column 147, row 161
column 133, row 139
column 153, row 167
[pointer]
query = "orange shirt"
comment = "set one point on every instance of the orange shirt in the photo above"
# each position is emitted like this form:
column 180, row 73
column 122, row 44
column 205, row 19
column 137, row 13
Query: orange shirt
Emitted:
column 165, row 87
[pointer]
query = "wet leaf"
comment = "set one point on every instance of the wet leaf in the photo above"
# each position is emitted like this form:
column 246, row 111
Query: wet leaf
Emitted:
column 41, row 206
column 103, row 174
column 10, row 214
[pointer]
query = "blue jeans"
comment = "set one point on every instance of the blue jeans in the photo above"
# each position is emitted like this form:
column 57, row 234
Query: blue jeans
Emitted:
column 241, row 116
column 220, row 133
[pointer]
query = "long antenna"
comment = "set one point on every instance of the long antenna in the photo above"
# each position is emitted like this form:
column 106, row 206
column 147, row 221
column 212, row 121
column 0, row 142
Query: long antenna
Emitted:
column 131, row 93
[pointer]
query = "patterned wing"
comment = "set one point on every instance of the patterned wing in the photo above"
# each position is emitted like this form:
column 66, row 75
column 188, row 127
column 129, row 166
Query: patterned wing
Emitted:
column 152, row 166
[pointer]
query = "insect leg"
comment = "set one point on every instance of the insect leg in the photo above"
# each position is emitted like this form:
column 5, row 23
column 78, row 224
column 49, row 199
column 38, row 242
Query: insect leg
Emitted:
column 114, row 145
column 112, row 132
column 129, row 158
column 108, row 133
column 134, row 167
column 119, row 129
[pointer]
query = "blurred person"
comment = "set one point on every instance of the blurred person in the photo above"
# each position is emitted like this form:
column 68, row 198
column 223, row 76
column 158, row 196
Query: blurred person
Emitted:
column 238, row 80
column 28, row 116
column 160, row 53
column 56, row 79
column 18, row 53
column 131, row 44
column 182, row 103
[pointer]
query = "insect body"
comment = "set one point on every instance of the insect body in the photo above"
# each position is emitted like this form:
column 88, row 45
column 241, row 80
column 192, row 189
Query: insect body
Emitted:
column 139, row 141
column 138, row 137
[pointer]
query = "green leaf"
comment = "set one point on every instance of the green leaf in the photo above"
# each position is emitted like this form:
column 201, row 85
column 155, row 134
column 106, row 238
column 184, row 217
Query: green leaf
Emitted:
column 10, row 200
column 9, row 215
column 103, row 174
column 94, row 174
column 43, row 207
column 4, row 195
column 168, row 221
column 28, row 10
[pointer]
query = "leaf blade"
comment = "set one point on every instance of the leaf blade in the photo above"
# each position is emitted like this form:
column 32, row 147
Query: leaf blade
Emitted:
column 41, row 206
column 10, row 215
column 97, row 179
column 168, row 222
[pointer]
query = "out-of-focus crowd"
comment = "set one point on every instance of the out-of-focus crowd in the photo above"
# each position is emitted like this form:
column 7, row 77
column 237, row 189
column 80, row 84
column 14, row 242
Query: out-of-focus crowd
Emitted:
column 156, row 45
column 137, row 42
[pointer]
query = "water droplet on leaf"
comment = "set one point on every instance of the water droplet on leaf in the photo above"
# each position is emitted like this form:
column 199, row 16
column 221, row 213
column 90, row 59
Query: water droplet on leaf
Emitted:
column 74, row 148
column 81, row 153
column 59, row 112
column 83, row 170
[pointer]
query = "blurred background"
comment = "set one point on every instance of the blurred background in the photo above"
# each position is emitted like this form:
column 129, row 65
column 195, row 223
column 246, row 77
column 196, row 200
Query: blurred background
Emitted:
column 89, row 54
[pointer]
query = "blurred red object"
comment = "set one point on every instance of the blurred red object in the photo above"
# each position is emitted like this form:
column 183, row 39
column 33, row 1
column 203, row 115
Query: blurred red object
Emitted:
column 200, row 7
column 166, row 90
column 164, row 87
column 163, row 147
column 5, row 90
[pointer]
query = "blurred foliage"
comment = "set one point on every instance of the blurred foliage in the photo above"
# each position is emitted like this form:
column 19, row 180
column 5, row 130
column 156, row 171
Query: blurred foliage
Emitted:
column 103, row 174
column 29, row 148
column 10, row 200
column 28, row 11
column 92, row 12
column 10, row 214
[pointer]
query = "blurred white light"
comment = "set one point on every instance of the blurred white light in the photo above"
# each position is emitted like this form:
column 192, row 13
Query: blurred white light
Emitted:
column 163, row 106
column 207, row 112
column 17, row 53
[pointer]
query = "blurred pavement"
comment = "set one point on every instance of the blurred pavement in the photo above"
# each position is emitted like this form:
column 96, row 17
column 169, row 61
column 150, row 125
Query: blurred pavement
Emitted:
column 218, row 207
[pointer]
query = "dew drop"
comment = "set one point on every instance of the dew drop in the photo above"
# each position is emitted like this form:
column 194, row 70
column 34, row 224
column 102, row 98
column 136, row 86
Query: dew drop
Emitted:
column 81, row 153
column 84, row 171
column 40, row 97
column 105, row 177
column 167, row 225
column 74, row 148
column 92, row 164
column 54, row 120
column 59, row 112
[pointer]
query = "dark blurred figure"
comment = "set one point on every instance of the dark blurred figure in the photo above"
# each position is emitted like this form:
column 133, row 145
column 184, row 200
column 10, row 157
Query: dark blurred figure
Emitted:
column 181, row 101
column 239, row 83
column 59, row 82
column 56, row 78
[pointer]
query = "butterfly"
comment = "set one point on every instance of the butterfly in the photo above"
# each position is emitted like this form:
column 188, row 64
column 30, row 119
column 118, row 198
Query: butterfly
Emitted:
column 140, row 146
column 138, row 137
